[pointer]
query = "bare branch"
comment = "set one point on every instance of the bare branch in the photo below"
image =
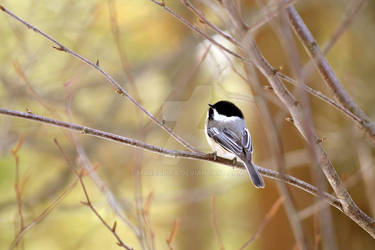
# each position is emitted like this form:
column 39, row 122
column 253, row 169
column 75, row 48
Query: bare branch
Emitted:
column 17, row 187
column 120, row 243
column 173, row 233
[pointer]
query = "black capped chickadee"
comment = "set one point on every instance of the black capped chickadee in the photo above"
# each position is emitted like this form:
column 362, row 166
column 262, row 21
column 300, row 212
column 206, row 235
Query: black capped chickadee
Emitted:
column 229, row 137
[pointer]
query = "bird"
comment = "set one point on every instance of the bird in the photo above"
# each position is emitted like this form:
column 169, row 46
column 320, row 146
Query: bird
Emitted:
column 228, row 136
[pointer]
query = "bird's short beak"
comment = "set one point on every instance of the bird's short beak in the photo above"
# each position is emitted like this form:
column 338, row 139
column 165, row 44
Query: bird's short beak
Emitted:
column 210, row 105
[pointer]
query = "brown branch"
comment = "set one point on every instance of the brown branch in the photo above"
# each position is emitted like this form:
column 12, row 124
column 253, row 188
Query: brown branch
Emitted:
column 17, row 183
column 173, row 233
column 112, row 229
column 118, row 89
column 329, row 77
column 171, row 153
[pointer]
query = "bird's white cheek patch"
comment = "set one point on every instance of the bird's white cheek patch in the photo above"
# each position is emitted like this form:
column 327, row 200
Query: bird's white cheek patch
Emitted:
column 223, row 118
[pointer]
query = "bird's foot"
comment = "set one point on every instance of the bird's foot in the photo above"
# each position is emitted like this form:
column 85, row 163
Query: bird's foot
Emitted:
column 214, row 155
column 234, row 162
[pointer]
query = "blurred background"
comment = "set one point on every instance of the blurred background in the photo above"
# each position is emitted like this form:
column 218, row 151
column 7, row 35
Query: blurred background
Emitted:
column 174, row 73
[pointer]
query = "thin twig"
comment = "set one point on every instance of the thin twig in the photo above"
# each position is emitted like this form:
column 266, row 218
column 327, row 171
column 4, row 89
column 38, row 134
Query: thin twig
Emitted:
column 146, row 218
column 17, row 187
column 322, row 97
column 139, row 202
column 118, row 88
column 173, row 233
column 120, row 243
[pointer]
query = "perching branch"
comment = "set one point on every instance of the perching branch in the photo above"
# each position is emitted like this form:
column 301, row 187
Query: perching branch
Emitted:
column 272, row 174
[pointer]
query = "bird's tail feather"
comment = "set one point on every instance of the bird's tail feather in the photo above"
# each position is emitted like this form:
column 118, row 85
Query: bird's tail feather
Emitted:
column 254, row 175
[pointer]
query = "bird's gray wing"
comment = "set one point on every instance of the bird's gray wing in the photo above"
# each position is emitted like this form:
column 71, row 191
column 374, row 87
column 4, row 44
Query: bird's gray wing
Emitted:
column 246, row 140
column 227, row 139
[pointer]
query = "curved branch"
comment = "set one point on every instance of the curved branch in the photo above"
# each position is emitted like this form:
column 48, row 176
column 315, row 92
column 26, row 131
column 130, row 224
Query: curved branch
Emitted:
column 272, row 174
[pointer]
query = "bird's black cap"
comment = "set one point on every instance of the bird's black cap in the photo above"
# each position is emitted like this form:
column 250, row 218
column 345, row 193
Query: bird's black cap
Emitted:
column 224, row 108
